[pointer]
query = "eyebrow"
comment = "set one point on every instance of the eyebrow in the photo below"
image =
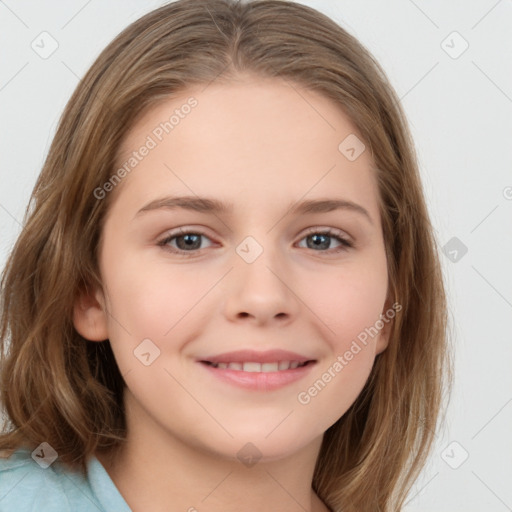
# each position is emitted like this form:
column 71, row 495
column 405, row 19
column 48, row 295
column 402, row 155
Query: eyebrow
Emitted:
column 214, row 206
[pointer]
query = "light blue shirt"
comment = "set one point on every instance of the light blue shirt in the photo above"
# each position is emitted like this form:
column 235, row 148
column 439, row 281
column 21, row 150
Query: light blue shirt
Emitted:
column 25, row 486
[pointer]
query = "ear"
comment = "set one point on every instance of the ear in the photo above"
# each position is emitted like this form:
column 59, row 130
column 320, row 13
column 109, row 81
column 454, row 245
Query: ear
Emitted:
column 89, row 315
column 388, row 314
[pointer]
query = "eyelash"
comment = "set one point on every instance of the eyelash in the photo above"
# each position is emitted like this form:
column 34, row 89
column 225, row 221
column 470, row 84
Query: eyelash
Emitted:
column 345, row 244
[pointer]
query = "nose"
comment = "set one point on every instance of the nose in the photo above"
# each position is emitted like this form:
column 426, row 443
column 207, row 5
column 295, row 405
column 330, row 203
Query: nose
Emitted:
column 261, row 292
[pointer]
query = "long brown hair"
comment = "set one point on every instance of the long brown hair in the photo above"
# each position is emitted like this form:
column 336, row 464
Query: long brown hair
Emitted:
column 60, row 388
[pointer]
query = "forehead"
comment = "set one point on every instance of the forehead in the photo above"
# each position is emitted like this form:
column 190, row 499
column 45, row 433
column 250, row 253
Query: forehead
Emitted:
column 248, row 139
column 243, row 107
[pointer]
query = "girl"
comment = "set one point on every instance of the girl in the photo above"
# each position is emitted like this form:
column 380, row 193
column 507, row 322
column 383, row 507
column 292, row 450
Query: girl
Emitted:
column 226, row 295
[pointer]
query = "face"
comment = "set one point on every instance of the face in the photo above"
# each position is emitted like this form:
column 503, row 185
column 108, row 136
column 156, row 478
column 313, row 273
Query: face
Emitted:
column 238, row 312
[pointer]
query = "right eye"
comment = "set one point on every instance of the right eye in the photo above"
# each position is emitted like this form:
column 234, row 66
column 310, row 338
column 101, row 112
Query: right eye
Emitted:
column 187, row 241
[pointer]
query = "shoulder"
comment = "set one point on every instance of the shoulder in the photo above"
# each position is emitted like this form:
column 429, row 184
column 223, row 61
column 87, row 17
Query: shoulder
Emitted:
column 28, row 486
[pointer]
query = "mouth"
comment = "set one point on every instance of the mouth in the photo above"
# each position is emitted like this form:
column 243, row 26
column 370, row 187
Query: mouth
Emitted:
column 260, row 371
column 255, row 367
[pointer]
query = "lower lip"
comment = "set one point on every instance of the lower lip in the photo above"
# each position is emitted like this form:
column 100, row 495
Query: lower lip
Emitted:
column 259, row 381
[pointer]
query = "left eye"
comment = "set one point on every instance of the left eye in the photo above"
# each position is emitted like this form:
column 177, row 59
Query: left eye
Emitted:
column 322, row 239
column 190, row 241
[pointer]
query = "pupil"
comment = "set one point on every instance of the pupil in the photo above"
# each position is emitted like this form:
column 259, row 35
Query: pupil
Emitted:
column 189, row 241
column 318, row 243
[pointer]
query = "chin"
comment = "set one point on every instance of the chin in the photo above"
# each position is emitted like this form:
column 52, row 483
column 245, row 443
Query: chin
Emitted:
column 256, row 447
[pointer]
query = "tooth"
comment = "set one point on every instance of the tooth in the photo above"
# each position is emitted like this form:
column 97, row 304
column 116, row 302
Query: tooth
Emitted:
column 252, row 367
column 269, row 367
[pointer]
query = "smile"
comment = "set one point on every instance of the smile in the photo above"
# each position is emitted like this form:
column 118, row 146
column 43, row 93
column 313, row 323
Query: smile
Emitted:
column 254, row 367
column 258, row 371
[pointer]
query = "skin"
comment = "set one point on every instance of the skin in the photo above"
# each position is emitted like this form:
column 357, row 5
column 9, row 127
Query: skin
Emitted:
column 262, row 145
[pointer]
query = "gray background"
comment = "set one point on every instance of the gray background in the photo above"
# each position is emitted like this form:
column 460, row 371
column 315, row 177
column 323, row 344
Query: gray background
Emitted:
column 459, row 105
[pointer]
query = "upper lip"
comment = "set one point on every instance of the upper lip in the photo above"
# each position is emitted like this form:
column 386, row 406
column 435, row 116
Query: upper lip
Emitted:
column 244, row 356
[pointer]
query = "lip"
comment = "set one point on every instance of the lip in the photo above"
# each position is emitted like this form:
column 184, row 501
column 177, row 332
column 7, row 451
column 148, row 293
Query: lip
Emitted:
column 269, row 356
column 258, row 381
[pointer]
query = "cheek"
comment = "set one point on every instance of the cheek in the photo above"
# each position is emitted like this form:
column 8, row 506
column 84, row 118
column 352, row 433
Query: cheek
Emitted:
column 349, row 314
column 349, row 305
column 334, row 389
column 348, row 302
column 150, row 299
column 150, row 302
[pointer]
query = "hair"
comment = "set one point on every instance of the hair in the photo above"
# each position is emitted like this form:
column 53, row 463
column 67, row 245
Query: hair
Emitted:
column 60, row 388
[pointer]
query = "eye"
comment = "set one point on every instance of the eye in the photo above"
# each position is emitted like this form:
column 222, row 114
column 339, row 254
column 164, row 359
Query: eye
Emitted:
column 186, row 242
column 321, row 239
